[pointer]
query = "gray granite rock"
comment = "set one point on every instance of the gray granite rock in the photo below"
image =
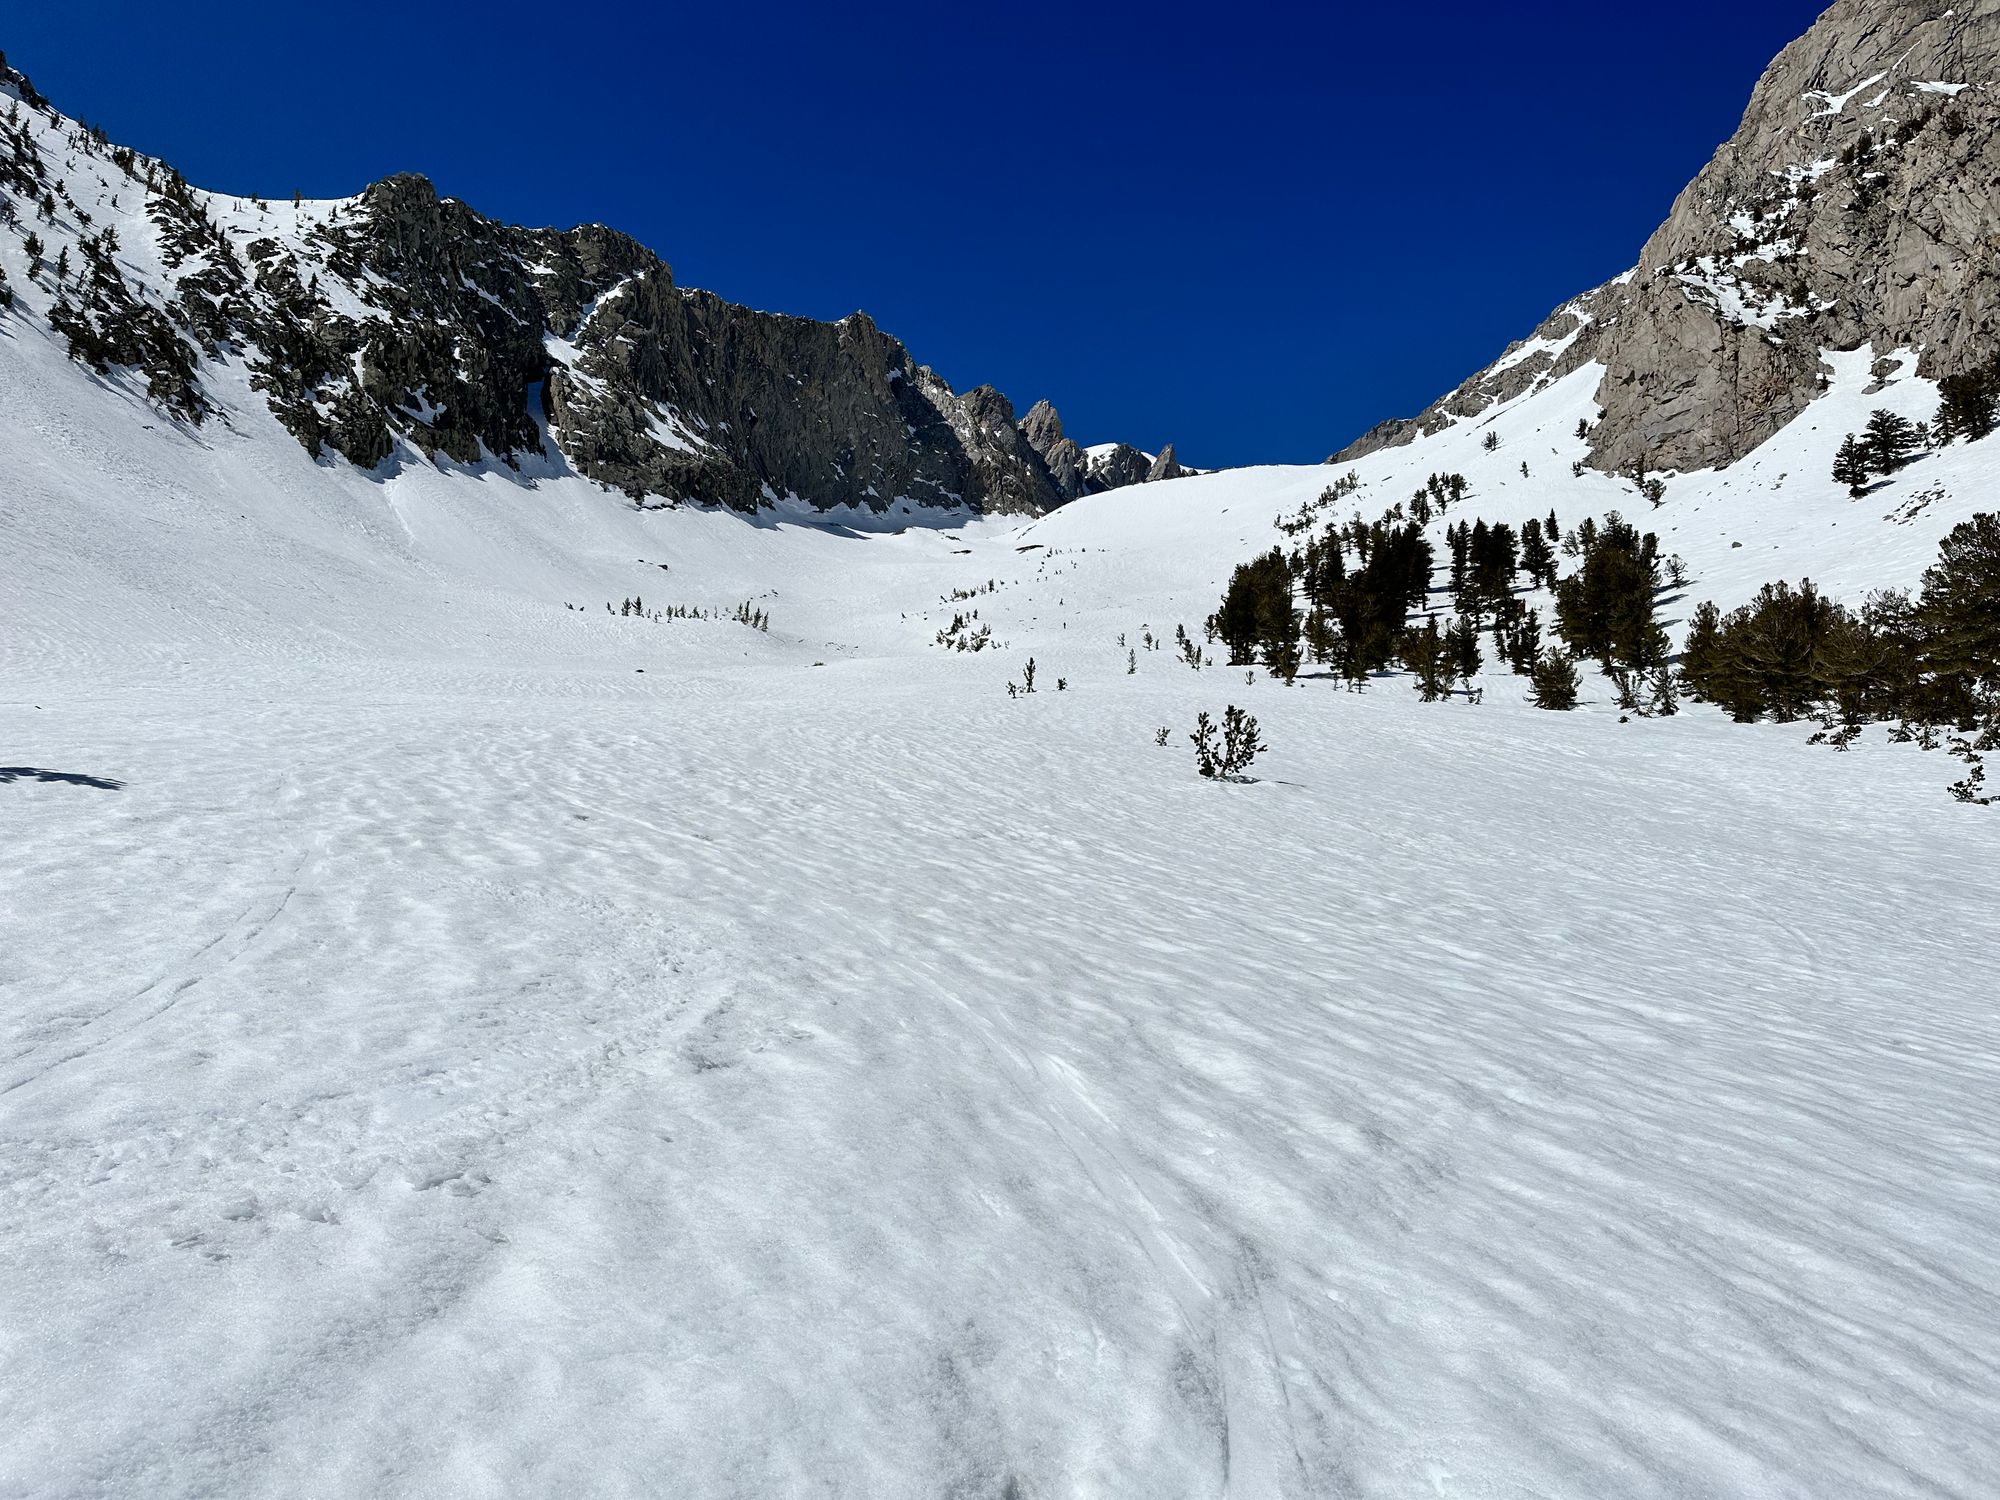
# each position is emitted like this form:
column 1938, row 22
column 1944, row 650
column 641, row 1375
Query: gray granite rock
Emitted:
column 405, row 320
column 1853, row 206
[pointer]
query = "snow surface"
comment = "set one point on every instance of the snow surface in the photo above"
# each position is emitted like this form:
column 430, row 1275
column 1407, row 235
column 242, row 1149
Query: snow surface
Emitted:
column 1834, row 104
column 1103, row 451
column 452, row 1043
column 1710, row 285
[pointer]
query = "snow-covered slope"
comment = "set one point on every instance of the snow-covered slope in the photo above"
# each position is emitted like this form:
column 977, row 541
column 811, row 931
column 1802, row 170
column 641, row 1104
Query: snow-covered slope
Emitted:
column 457, row 1043
column 459, row 1040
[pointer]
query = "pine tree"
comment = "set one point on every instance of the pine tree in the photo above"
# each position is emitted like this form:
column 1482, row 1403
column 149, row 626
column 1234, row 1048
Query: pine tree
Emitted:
column 1426, row 654
column 1890, row 439
column 1466, row 578
column 1850, row 465
column 1460, row 540
column 1701, row 654
column 1256, row 615
column 1462, row 642
column 1958, row 609
column 1775, row 655
column 1492, row 557
column 1553, row 683
column 1663, row 695
column 1240, row 741
column 1240, row 744
column 1605, row 608
column 1537, row 556
column 1322, row 637
column 1521, row 640
column 1967, row 406
column 1281, row 655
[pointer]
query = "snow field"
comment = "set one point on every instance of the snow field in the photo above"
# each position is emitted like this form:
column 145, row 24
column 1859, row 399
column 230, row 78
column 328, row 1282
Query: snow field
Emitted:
column 881, row 1089
column 481, row 1047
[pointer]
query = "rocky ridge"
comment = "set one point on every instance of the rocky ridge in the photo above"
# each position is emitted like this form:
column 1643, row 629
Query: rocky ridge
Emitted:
column 1090, row 471
column 400, row 321
column 1853, row 206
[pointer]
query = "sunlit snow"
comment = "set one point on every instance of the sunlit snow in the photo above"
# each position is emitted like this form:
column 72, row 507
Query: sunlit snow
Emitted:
column 457, row 1040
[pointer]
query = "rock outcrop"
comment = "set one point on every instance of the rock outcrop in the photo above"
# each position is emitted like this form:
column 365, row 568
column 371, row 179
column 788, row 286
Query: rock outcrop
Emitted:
column 1069, row 468
column 1118, row 464
column 1089, row 471
column 1853, row 206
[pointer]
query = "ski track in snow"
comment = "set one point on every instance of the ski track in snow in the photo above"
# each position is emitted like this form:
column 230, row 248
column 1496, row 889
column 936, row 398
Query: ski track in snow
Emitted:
column 452, row 1044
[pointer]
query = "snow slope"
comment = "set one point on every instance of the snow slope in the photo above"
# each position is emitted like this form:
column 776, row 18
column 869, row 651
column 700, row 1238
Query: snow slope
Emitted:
column 456, row 1043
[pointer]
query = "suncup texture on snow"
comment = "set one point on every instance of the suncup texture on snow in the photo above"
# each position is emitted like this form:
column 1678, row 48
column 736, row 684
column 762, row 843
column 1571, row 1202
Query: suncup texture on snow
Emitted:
column 476, row 1019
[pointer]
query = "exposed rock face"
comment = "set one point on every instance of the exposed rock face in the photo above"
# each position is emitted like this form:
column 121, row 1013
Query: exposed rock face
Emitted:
column 400, row 317
column 1042, row 427
column 1069, row 469
column 464, row 310
column 1076, row 471
column 1854, row 205
column 1119, row 465
column 679, row 393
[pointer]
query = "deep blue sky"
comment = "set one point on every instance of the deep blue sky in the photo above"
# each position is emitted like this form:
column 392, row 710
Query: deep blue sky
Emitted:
column 1250, row 229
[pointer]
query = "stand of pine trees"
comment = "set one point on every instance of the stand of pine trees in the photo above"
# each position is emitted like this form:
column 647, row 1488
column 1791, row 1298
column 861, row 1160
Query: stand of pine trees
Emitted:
column 1928, row 663
column 1358, row 583
column 1257, row 618
column 1967, row 406
column 1928, row 659
column 1343, row 598
column 1605, row 609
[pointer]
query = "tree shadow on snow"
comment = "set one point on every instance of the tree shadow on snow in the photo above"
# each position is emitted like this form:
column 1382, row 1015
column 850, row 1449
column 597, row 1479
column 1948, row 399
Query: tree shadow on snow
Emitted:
column 67, row 778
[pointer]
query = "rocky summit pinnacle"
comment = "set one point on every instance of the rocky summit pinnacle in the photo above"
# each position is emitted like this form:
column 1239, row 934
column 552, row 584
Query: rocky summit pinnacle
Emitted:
column 1851, row 207
column 1089, row 471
